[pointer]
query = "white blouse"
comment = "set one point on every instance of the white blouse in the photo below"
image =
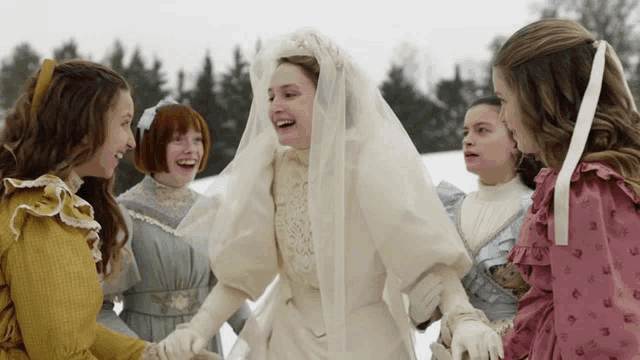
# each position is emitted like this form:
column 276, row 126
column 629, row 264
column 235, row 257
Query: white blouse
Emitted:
column 484, row 211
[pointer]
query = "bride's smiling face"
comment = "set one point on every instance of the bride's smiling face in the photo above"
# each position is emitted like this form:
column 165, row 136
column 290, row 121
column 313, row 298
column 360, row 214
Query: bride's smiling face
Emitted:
column 291, row 96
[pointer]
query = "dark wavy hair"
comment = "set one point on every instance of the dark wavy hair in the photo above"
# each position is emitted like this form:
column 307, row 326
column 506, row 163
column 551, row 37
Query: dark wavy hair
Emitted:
column 71, row 115
column 527, row 167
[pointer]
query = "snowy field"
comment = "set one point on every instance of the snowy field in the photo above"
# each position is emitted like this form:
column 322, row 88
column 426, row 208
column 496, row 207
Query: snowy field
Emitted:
column 447, row 166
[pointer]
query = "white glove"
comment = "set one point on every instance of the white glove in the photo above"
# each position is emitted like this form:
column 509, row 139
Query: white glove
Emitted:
column 439, row 352
column 183, row 343
column 476, row 338
column 189, row 339
column 206, row 355
column 424, row 298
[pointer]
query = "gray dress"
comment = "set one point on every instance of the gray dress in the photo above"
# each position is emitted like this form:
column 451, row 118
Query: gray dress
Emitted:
column 166, row 280
column 493, row 284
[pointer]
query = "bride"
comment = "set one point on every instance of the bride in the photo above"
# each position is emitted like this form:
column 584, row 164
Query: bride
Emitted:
column 344, row 217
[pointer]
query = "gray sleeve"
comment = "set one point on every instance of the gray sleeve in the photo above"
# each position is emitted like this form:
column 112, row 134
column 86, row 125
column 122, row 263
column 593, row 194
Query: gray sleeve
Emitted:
column 126, row 273
column 108, row 318
column 449, row 196
column 238, row 319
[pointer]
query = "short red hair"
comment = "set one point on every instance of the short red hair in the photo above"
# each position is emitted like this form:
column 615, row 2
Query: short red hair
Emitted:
column 151, row 152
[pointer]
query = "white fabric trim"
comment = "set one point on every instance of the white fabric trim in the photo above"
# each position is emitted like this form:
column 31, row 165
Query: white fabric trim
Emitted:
column 144, row 124
column 153, row 221
column 579, row 138
column 61, row 192
column 576, row 146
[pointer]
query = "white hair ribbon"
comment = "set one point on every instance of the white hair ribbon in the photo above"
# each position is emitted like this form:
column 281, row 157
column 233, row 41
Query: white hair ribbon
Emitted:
column 149, row 114
column 576, row 146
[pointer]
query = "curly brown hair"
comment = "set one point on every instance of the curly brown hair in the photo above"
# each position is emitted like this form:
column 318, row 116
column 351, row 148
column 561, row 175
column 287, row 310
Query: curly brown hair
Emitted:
column 71, row 115
column 548, row 64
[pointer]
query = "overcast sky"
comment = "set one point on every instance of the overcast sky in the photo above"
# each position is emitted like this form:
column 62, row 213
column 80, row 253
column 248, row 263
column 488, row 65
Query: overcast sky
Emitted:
column 180, row 33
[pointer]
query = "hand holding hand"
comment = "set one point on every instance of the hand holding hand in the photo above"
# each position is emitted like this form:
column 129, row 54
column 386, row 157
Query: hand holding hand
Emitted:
column 206, row 355
column 476, row 338
column 182, row 343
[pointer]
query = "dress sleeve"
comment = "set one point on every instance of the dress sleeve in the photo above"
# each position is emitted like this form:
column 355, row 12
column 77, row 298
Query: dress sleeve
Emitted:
column 244, row 254
column 596, row 289
column 55, row 290
column 108, row 318
column 239, row 318
column 405, row 217
column 125, row 276
column 112, row 345
column 449, row 195
column 126, row 273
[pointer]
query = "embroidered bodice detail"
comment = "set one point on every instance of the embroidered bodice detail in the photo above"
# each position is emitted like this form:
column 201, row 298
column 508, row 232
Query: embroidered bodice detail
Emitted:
column 292, row 222
column 158, row 203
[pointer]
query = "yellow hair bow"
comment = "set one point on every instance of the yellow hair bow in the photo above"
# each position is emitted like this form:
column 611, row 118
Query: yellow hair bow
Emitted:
column 44, row 79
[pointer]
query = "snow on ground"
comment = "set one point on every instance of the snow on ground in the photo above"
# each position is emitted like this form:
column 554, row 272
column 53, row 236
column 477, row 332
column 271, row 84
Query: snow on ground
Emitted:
column 447, row 166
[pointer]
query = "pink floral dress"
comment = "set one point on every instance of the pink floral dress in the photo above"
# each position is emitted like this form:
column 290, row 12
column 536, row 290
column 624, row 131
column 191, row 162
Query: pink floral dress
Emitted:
column 584, row 302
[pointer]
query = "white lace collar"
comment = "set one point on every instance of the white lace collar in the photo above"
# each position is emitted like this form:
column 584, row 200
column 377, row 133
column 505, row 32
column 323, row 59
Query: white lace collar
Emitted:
column 165, row 194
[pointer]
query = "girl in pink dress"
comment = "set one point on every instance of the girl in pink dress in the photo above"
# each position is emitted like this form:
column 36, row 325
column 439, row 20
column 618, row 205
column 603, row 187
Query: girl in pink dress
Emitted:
column 565, row 98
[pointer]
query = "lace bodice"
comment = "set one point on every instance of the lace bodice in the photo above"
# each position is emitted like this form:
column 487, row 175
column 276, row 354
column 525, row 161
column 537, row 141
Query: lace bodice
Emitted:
column 159, row 204
column 292, row 224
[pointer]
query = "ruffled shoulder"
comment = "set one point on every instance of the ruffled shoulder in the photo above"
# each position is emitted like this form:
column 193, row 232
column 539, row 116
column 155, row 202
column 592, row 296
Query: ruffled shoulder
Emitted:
column 533, row 246
column 546, row 181
column 449, row 194
column 529, row 255
column 49, row 196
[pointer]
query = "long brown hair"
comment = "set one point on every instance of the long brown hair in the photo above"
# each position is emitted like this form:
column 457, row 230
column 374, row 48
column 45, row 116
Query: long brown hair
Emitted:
column 548, row 65
column 71, row 115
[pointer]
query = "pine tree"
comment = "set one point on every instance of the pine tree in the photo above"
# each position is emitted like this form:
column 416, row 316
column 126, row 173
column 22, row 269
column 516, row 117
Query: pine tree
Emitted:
column 23, row 62
column 236, row 96
column 457, row 95
column 147, row 88
column 157, row 81
column 419, row 115
column 183, row 94
column 115, row 58
column 205, row 102
column 494, row 47
column 67, row 51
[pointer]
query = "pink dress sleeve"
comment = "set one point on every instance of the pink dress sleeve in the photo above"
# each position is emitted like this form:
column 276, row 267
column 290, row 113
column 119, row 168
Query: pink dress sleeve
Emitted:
column 596, row 278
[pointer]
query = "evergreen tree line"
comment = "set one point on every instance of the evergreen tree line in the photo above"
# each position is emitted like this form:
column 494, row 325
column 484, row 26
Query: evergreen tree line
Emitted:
column 433, row 121
column 224, row 101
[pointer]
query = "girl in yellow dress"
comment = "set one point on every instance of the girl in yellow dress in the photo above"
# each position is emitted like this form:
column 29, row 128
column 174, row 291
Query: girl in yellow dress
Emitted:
column 60, row 227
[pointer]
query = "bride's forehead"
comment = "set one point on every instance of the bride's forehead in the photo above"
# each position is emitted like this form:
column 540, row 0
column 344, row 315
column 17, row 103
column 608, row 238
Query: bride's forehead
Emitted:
column 287, row 74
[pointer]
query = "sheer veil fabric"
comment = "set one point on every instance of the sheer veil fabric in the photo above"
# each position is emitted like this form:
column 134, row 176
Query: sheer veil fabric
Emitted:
column 361, row 162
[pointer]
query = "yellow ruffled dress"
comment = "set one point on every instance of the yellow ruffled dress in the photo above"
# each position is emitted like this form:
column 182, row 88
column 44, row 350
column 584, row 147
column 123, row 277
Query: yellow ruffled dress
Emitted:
column 49, row 289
